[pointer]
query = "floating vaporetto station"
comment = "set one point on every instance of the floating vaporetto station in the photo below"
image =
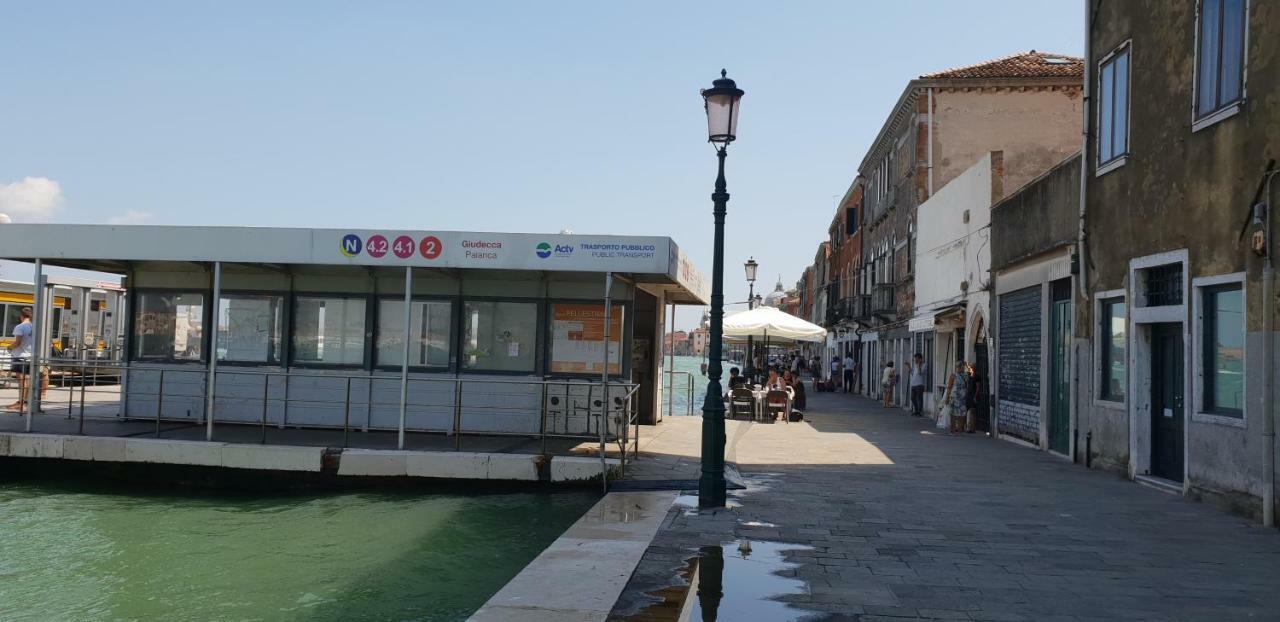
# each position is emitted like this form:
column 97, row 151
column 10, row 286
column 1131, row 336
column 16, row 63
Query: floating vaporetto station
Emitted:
column 508, row 342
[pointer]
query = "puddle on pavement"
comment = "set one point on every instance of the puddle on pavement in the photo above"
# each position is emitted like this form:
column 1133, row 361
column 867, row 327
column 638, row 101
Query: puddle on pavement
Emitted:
column 737, row 580
column 690, row 504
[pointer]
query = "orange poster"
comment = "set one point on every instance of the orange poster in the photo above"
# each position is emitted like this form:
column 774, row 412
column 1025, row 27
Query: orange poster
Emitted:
column 577, row 338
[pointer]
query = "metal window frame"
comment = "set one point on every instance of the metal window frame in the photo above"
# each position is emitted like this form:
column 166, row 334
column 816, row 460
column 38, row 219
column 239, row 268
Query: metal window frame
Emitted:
column 282, row 353
column 454, row 310
column 1102, row 303
column 1222, row 111
column 293, row 328
column 1117, row 159
column 135, row 297
column 625, row 354
column 1206, row 383
column 540, row 304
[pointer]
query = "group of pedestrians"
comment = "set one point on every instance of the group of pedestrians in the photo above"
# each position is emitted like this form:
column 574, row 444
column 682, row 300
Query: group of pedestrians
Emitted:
column 957, row 411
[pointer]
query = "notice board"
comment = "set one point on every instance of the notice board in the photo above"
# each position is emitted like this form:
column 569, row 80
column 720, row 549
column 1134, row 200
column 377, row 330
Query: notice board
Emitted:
column 577, row 338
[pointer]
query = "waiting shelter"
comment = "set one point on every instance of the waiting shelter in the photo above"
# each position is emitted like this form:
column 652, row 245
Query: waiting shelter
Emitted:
column 413, row 331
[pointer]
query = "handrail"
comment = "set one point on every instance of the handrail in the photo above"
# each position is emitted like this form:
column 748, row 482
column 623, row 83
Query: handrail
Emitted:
column 616, row 414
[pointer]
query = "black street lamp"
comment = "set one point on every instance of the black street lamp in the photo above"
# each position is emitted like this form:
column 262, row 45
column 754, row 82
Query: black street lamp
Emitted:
column 721, row 103
column 751, row 266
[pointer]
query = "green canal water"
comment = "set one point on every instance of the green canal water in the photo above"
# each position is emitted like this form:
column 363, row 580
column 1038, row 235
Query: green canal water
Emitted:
column 70, row 553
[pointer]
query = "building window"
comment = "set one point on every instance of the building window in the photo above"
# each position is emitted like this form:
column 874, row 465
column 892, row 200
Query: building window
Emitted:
column 851, row 220
column 12, row 318
column 249, row 328
column 1164, row 285
column 1223, row 350
column 1113, row 106
column 1113, row 339
column 328, row 330
column 430, row 333
column 499, row 336
column 1219, row 55
column 169, row 326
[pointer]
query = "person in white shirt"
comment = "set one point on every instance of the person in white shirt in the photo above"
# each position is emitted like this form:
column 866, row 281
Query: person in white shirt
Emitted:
column 20, row 352
column 917, row 385
column 835, row 371
column 848, row 372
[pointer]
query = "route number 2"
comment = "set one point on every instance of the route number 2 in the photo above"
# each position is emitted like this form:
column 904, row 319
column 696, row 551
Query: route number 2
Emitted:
column 430, row 247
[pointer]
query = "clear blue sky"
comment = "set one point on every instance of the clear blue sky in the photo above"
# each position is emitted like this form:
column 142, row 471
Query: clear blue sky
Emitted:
column 518, row 116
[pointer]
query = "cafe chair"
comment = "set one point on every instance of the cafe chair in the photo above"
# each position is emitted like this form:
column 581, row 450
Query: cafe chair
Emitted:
column 741, row 400
column 776, row 402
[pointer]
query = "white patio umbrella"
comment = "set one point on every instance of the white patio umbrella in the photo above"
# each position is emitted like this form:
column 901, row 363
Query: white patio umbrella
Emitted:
column 771, row 323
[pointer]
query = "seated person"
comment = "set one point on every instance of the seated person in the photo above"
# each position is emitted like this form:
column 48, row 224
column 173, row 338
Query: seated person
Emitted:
column 774, row 382
column 797, row 395
column 735, row 379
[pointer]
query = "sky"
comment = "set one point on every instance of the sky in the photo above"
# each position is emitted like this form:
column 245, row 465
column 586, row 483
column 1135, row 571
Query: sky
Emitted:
column 474, row 116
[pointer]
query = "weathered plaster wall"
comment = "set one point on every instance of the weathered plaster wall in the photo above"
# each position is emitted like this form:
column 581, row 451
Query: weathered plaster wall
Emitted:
column 1038, row 217
column 1035, row 128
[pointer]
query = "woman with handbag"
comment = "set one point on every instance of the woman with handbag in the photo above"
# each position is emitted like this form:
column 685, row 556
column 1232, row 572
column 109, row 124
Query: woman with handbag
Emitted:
column 955, row 400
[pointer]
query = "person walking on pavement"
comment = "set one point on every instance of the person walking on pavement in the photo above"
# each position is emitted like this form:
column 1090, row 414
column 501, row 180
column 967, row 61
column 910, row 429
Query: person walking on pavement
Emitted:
column 22, row 349
column 848, row 372
column 917, row 385
column 888, row 378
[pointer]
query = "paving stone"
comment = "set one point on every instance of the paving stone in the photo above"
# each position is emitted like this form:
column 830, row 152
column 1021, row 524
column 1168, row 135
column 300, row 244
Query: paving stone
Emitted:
column 907, row 525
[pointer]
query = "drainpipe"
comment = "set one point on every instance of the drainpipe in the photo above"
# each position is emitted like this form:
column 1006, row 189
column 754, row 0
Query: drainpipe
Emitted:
column 1082, row 280
column 929, row 146
column 1268, row 378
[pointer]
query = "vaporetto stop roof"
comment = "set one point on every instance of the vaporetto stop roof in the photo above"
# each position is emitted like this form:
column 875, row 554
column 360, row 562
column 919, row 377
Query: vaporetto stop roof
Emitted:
column 648, row 259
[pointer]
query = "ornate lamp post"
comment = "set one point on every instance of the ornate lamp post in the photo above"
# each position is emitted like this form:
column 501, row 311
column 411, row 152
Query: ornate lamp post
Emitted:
column 751, row 266
column 721, row 103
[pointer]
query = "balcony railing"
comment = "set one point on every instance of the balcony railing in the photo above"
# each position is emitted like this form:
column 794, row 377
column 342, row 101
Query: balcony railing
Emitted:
column 860, row 307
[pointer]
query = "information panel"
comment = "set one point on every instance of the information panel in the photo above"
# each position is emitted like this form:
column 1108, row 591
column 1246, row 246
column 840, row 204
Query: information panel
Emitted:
column 577, row 338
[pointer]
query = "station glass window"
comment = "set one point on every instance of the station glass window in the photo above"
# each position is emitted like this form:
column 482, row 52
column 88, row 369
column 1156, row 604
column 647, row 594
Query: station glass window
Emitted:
column 1113, row 357
column 12, row 317
column 1223, row 349
column 249, row 328
column 430, row 333
column 499, row 336
column 328, row 330
column 169, row 326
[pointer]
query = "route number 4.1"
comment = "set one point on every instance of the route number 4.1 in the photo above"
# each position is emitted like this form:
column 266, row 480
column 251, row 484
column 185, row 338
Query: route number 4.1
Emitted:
column 403, row 247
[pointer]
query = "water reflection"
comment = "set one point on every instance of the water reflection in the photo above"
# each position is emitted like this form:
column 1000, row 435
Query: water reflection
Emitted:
column 739, row 581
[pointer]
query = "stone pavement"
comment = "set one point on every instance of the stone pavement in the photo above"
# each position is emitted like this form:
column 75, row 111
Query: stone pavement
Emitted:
column 906, row 524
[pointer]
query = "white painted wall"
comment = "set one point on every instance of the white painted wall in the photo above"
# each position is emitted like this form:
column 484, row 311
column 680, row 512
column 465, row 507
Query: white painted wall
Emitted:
column 948, row 249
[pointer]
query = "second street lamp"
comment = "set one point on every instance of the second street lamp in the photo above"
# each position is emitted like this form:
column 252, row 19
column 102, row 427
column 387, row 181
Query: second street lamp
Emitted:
column 721, row 104
column 750, row 267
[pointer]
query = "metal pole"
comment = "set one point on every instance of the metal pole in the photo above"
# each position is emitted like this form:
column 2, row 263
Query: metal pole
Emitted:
column 457, row 414
column 159, row 403
column 749, row 366
column 81, row 346
column 346, row 415
column 404, row 362
column 213, row 352
column 33, row 374
column 604, row 379
column 671, row 365
column 82, row 381
column 711, row 484
column 266, row 383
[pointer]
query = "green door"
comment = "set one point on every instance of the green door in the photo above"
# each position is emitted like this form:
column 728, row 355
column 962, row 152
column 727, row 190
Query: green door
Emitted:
column 1060, row 376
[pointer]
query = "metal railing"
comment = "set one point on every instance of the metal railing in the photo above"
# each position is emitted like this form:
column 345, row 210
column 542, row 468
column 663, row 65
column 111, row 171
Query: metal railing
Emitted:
column 670, row 390
column 559, row 401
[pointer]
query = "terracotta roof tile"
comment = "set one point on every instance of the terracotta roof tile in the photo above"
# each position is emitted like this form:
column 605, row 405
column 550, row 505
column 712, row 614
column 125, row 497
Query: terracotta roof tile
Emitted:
column 1031, row 64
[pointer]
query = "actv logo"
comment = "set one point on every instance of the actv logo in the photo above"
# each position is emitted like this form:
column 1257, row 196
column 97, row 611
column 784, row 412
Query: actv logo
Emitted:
column 545, row 250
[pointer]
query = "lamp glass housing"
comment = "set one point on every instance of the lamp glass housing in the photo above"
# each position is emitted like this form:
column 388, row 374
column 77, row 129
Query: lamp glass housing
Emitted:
column 751, row 266
column 722, row 101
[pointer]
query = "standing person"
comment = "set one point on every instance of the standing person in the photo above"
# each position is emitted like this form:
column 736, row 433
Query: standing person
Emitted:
column 888, row 378
column 835, row 372
column 917, row 385
column 21, row 352
column 957, row 396
column 848, row 371
column 974, row 394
